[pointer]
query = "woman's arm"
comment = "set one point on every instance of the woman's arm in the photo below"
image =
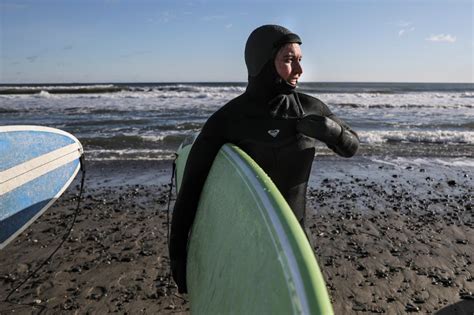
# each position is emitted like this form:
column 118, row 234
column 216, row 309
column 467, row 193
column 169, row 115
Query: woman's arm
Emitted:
column 199, row 162
column 320, row 123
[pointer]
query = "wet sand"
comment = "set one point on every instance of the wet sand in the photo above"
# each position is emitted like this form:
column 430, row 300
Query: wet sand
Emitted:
column 389, row 239
column 395, row 239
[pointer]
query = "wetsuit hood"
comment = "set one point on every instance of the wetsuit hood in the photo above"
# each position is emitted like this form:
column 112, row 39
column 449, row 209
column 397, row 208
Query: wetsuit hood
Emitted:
column 264, row 82
column 263, row 44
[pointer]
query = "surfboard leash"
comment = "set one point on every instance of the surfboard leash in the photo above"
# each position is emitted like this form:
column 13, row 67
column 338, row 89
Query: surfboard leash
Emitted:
column 65, row 237
column 168, row 210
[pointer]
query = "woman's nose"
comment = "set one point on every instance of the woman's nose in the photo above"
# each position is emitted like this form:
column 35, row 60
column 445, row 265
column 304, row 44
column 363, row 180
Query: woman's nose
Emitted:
column 297, row 68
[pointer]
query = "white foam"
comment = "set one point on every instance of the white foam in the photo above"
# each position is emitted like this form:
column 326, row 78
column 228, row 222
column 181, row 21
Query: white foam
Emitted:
column 56, row 87
column 155, row 138
column 164, row 134
column 403, row 162
column 459, row 162
column 126, row 151
column 129, row 154
column 212, row 97
column 416, row 136
column 402, row 100
column 45, row 94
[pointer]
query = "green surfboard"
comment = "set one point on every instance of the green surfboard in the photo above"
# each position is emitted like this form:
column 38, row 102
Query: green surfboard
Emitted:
column 247, row 252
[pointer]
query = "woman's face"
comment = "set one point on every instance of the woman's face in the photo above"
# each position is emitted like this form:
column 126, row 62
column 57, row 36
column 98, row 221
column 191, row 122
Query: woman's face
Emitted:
column 288, row 63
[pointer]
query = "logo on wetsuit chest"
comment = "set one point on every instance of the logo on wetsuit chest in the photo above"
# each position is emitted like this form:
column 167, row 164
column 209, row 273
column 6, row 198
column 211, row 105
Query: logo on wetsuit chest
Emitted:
column 274, row 132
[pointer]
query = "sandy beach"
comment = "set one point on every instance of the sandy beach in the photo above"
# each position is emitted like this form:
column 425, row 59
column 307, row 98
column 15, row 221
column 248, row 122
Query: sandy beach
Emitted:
column 390, row 238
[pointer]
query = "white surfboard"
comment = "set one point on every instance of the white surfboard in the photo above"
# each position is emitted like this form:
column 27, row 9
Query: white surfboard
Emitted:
column 37, row 164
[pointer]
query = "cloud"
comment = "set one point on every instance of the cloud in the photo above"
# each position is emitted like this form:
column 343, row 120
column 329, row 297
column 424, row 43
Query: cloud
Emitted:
column 447, row 38
column 405, row 27
column 213, row 17
column 405, row 30
column 32, row 58
column 228, row 25
column 163, row 17
column 136, row 53
column 404, row 24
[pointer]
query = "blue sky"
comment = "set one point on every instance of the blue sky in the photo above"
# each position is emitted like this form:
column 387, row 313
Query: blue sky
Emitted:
column 44, row 41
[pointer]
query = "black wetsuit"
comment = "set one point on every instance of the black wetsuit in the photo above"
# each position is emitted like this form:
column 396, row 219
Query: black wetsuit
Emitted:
column 275, row 125
column 273, row 142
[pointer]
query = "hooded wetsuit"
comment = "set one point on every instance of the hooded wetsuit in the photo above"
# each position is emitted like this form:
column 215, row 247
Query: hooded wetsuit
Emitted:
column 270, row 121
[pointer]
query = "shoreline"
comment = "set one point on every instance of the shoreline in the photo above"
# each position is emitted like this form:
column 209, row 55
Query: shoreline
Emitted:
column 390, row 238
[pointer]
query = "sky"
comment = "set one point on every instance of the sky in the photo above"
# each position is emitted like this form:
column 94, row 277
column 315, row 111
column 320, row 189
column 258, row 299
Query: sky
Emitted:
column 93, row 41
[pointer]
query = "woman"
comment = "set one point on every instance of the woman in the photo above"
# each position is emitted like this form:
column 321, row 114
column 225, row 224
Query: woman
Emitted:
column 272, row 122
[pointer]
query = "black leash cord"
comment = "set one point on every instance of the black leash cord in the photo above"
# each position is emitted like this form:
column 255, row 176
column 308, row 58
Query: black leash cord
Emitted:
column 65, row 237
column 168, row 223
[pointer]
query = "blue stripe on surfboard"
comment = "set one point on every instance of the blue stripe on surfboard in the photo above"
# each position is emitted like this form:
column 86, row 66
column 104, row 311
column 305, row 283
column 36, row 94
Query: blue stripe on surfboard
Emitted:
column 42, row 188
column 12, row 224
column 21, row 146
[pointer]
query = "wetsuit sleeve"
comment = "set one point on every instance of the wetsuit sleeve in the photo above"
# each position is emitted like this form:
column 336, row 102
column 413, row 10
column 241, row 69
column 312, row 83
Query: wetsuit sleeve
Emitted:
column 347, row 143
column 320, row 123
column 199, row 162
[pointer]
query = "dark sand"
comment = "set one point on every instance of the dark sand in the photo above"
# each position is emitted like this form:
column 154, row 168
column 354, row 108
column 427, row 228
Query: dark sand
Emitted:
column 389, row 239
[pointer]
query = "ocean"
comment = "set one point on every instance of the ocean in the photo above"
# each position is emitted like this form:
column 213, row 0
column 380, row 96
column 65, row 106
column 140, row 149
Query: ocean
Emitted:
column 148, row 121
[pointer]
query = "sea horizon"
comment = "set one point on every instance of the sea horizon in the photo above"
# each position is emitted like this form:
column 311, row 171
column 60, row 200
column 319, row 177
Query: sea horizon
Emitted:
column 223, row 82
